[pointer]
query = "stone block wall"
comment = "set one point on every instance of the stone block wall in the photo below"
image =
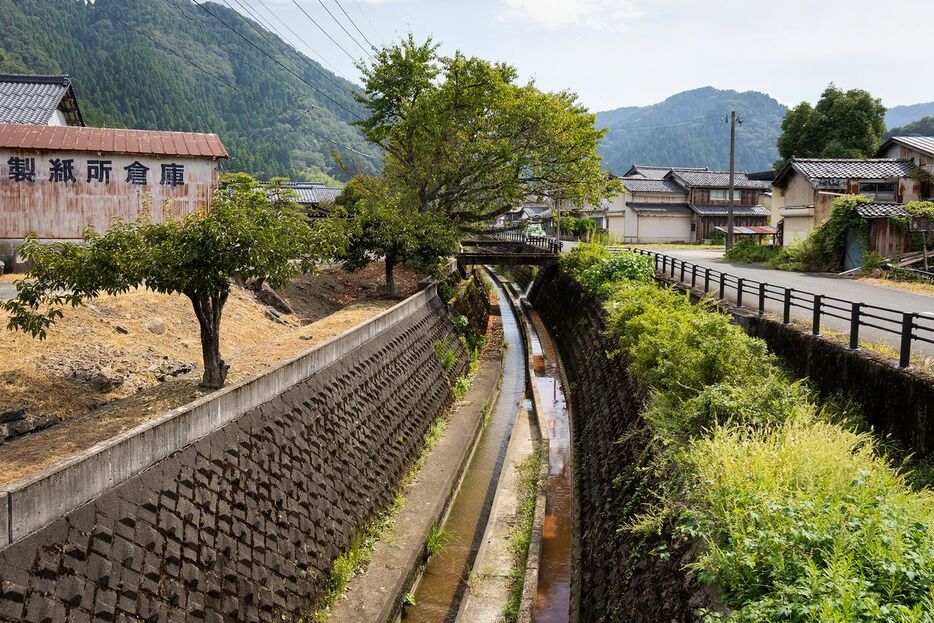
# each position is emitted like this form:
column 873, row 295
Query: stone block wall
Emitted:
column 244, row 523
column 622, row 576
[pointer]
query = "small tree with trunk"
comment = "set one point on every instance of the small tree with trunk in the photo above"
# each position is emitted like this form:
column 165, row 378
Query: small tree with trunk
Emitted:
column 378, row 225
column 240, row 237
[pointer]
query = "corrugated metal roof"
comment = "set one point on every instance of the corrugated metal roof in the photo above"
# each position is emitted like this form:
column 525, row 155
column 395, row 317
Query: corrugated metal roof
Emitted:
column 880, row 210
column 640, row 185
column 825, row 172
column 144, row 142
column 311, row 193
column 722, row 210
column 924, row 144
column 717, row 179
column 748, row 231
column 31, row 99
column 659, row 208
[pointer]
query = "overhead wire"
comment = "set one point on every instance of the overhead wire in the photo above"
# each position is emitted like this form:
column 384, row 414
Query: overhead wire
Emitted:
column 370, row 22
column 299, row 37
column 346, row 32
column 277, row 61
column 222, row 80
column 326, row 33
column 351, row 20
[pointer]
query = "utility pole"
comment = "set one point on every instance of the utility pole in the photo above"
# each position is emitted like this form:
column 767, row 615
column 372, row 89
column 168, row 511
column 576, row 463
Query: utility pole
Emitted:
column 558, row 221
column 729, row 210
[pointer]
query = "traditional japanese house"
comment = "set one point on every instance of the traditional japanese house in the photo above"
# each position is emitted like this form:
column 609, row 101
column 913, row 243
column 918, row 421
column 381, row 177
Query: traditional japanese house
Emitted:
column 708, row 196
column 920, row 151
column 38, row 100
column 806, row 188
column 56, row 181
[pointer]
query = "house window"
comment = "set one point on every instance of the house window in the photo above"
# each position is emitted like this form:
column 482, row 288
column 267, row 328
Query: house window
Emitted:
column 880, row 191
column 722, row 194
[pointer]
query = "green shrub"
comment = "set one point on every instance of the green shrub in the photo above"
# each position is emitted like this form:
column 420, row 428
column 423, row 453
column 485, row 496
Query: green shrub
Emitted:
column 717, row 236
column 679, row 348
column 823, row 249
column 582, row 257
column 804, row 522
column 872, row 261
column 601, row 279
column 446, row 355
column 806, row 256
column 749, row 251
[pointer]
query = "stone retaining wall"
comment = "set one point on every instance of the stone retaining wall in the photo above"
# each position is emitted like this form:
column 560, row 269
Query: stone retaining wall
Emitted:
column 233, row 508
column 623, row 576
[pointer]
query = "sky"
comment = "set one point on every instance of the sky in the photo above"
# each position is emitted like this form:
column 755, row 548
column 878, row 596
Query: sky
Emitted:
column 616, row 53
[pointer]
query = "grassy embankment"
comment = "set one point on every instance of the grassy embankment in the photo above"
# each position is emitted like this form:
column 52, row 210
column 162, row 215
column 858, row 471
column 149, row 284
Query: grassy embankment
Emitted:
column 799, row 517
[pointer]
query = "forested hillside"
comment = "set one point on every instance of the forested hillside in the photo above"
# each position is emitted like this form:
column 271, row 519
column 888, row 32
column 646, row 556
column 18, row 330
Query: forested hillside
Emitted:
column 272, row 122
column 921, row 127
column 689, row 129
column 903, row 115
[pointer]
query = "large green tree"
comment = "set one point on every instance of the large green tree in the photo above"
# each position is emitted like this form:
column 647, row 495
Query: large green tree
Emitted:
column 378, row 224
column 240, row 237
column 461, row 136
column 843, row 124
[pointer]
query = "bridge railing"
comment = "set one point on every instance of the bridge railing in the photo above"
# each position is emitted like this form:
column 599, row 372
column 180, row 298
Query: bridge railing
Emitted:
column 911, row 327
column 548, row 243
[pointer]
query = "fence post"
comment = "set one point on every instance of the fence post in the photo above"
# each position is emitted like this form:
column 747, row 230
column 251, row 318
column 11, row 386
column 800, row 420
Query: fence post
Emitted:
column 904, row 359
column 693, row 275
column 786, row 312
column 815, row 326
column 673, row 268
column 722, row 285
column 706, row 280
column 854, row 326
column 761, row 298
column 656, row 263
column 739, row 292
column 681, row 280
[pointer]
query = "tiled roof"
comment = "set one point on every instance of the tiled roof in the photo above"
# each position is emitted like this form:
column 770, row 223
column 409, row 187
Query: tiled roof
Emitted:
column 828, row 173
column 311, row 193
column 34, row 99
column 659, row 208
column 652, row 172
column 880, row 210
column 639, row 185
column 717, row 179
column 144, row 142
column 923, row 144
column 722, row 210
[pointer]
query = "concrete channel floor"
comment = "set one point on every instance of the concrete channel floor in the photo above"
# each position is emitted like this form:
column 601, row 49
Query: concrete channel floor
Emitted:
column 488, row 587
column 375, row 594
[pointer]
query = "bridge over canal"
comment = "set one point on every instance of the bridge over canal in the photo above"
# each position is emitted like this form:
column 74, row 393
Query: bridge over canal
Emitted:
column 508, row 248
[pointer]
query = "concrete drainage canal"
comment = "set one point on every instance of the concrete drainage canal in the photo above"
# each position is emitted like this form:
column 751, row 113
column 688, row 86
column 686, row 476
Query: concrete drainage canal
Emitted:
column 473, row 577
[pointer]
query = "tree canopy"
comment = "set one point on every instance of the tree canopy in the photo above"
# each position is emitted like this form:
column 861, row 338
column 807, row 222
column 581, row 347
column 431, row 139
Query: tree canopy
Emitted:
column 843, row 124
column 462, row 137
column 240, row 237
column 378, row 224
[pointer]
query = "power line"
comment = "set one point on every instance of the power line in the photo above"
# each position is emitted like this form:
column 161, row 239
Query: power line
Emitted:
column 222, row 80
column 305, row 43
column 338, row 2
column 665, row 125
column 277, row 61
column 367, row 18
column 346, row 32
column 326, row 33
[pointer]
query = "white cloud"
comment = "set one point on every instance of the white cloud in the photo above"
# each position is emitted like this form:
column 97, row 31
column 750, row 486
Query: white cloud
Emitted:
column 555, row 14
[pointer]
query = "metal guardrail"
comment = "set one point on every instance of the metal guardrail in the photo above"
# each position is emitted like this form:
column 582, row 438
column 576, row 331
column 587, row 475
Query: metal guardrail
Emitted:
column 909, row 326
column 545, row 242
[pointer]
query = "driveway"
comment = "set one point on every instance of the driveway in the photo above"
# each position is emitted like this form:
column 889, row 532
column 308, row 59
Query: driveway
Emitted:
column 829, row 285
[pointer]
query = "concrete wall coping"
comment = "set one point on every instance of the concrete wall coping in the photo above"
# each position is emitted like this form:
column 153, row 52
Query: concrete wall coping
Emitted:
column 32, row 503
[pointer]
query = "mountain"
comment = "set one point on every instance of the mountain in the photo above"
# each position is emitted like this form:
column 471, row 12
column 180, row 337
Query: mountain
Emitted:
column 921, row 127
column 271, row 121
column 690, row 129
column 903, row 115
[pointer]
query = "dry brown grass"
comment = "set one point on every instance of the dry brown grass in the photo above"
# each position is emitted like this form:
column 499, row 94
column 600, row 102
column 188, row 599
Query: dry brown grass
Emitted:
column 917, row 287
column 251, row 343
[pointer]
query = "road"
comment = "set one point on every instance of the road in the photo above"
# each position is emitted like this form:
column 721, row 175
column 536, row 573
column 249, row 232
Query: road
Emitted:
column 829, row 285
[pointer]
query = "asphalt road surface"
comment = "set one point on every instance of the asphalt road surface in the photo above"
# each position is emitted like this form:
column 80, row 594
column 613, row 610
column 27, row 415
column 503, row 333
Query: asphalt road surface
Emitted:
column 851, row 290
